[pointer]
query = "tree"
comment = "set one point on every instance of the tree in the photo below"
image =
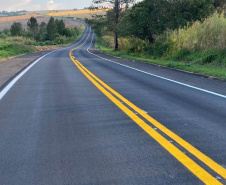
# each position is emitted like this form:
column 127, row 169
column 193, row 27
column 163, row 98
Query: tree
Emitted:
column 118, row 6
column 98, row 23
column 60, row 26
column 186, row 11
column 151, row 17
column 51, row 29
column 33, row 26
column 220, row 5
column 16, row 29
column 41, row 36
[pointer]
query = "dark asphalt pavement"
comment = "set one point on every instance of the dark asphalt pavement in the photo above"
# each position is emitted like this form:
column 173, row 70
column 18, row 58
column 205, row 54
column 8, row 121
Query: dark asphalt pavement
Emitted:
column 57, row 128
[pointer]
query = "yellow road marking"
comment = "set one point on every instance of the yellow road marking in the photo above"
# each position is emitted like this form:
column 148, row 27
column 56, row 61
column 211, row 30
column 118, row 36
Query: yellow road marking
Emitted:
column 190, row 164
column 202, row 157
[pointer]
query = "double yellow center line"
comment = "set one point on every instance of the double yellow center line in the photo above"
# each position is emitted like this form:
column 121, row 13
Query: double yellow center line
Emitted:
column 115, row 97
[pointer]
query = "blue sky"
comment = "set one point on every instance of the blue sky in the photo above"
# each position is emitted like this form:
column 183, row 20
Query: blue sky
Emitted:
column 12, row 5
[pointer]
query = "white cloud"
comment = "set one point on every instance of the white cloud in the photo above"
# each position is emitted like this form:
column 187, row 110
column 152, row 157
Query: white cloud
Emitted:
column 14, row 5
column 51, row 5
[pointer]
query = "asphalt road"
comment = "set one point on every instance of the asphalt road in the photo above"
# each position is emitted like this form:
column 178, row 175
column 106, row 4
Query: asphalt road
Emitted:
column 60, row 124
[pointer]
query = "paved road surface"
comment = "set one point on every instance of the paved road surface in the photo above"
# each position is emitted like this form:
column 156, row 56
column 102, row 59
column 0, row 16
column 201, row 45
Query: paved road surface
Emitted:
column 60, row 124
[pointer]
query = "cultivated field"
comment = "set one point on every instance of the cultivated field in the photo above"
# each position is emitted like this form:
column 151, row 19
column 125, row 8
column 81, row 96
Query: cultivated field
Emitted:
column 23, row 20
column 79, row 13
column 15, row 18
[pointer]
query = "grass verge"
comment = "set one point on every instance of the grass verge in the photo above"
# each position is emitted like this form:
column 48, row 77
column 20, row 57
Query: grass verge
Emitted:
column 15, row 46
column 213, row 71
column 13, row 49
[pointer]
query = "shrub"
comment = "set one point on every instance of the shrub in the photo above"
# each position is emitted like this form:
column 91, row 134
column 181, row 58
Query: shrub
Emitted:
column 3, row 35
column 61, row 39
column 200, row 35
column 21, row 40
column 6, row 31
column 5, row 45
column 158, row 49
column 69, row 32
column 181, row 54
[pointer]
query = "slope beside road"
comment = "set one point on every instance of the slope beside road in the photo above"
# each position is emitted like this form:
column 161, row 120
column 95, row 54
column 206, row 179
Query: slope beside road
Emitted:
column 76, row 118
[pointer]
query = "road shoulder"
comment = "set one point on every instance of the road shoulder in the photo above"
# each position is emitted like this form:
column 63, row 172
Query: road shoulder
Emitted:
column 10, row 68
column 192, row 79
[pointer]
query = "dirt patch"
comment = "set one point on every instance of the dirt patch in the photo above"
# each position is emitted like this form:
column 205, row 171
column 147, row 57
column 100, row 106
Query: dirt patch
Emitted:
column 12, row 66
column 45, row 48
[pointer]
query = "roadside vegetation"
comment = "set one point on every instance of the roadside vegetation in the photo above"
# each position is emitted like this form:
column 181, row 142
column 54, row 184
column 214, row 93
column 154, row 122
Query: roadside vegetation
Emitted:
column 188, row 35
column 16, row 40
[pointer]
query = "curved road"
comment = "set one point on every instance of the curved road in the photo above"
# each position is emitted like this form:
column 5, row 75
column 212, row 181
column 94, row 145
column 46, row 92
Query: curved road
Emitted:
column 76, row 118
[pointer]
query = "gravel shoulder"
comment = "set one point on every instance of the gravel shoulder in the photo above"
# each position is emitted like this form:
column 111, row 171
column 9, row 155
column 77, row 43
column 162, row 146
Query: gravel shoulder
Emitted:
column 11, row 67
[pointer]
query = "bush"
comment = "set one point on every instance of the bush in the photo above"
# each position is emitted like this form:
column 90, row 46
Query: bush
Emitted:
column 108, row 41
column 61, row 39
column 27, row 34
column 11, row 49
column 69, row 32
column 158, row 49
column 214, row 56
column 5, row 45
column 3, row 35
column 181, row 55
column 201, row 35
column 209, row 58
column 128, row 45
column 7, row 31
column 21, row 40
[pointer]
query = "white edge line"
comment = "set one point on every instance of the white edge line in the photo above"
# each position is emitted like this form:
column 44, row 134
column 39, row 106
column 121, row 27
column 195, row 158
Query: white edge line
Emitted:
column 174, row 81
column 16, row 78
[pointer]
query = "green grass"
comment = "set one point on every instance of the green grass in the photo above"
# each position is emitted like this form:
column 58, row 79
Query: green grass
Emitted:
column 209, row 70
column 13, row 46
column 12, row 49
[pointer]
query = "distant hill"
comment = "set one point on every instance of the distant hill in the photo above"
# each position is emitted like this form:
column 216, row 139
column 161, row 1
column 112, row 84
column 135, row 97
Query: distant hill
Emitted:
column 78, row 13
column 19, row 17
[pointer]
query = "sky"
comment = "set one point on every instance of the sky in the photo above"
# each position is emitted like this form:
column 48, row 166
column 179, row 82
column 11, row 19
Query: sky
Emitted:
column 14, row 5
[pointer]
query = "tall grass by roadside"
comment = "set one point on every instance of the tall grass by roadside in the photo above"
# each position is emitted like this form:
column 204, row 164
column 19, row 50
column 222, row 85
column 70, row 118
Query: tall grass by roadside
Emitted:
column 211, row 33
column 12, row 46
column 199, row 47
column 201, row 43
column 127, row 45
column 216, row 71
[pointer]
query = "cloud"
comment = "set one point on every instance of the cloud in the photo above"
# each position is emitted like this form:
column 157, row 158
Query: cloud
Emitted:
column 51, row 5
column 14, row 5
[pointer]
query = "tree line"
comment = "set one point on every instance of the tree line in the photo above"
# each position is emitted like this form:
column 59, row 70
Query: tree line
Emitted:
column 148, row 18
column 43, row 32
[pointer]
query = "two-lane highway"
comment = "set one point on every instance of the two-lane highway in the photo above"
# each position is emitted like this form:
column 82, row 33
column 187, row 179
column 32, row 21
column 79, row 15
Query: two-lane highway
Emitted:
column 76, row 118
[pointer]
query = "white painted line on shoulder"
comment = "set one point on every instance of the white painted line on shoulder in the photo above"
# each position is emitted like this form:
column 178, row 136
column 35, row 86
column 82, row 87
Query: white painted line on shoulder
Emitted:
column 174, row 81
column 16, row 78
column 8, row 87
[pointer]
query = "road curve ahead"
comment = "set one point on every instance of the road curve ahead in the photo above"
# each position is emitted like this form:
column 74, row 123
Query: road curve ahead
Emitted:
column 73, row 117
